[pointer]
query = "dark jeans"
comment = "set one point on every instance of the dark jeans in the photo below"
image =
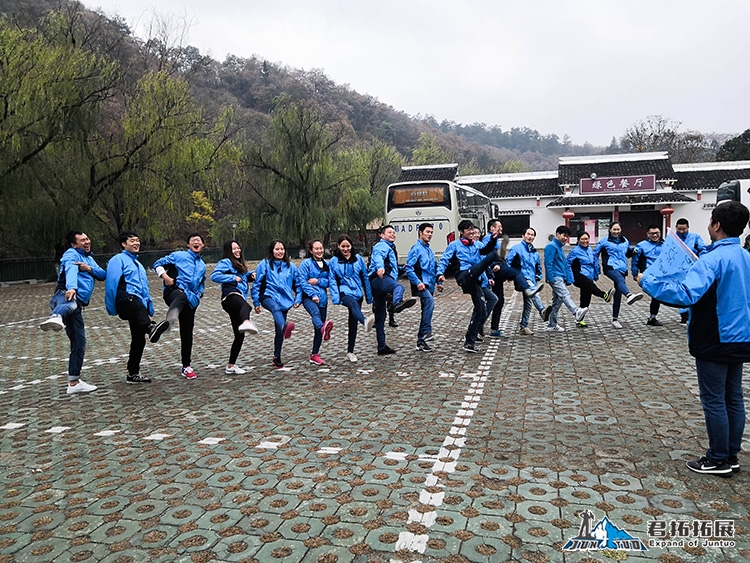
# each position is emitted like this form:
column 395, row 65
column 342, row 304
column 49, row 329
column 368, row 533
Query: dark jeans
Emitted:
column 621, row 289
column 588, row 288
column 279, row 321
column 179, row 307
column 355, row 317
column 721, row 396
column 239, row 311
column 318, row 316
column 133, row 311
column 381, row 287
column 72, row 315
column 497, row 310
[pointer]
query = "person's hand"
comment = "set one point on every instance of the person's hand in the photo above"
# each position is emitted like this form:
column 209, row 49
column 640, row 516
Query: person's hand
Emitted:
column 380, row 272
column 238, row 279
column 313, row 281
column 295, row 305
column 491, row 282
column 638, row 278
column 421, row 286
column 496, row 268
column 70, row 294
column 83, row 267
column 441, row 278
column 167, row 279
column 440, row 287
column 316, row 299
column 257, row 310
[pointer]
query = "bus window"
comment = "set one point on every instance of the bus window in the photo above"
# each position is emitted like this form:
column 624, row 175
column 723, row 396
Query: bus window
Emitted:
column 423, row 195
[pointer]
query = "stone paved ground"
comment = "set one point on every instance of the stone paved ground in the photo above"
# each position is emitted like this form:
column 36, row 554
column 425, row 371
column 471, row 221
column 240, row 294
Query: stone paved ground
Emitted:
column 416, row 457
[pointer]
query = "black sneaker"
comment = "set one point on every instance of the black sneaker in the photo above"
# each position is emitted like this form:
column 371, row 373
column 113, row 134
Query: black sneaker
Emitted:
column 654, row 322
column 684, row 318
column 386, row 351
column 734, row 463
column 404, row 304
column 137, row 378
column 277, row 363
column 156, row 330
column 471, row 348
column 393, row 323
column 422, row 346
column 546, row 312
column 702, row 465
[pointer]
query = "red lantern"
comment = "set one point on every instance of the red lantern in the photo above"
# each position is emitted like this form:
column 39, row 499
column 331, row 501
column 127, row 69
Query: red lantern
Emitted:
column 667, row 213
column 568, row 215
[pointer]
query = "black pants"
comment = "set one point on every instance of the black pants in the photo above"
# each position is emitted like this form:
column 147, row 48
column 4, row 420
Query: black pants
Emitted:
column 654, row 307
column 497, row 310
column 239, row 311
column 132, row 310
column 178, row 303
column 588, row 288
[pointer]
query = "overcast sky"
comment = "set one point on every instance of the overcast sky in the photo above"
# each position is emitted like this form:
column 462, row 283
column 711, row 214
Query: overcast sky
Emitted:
column 585, row 68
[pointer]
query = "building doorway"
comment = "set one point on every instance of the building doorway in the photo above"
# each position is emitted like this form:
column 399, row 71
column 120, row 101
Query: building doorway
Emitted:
column 635, row 223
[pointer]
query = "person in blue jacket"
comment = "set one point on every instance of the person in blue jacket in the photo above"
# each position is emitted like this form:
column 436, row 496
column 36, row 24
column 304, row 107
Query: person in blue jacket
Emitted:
column 524, row 258
column 500, row 272
column 349, row 285
column 75, row 284
column 421, row 266
column 644, row 254
column 585, row 267
column 487, row 282
column 717, row 288
column 184, row 276
column 127, row 295
column 615, row 251
column 313, row 281
column 383, row 274
column 559, row 276
column 235, row 279
column 695, row 243
column 275, row 288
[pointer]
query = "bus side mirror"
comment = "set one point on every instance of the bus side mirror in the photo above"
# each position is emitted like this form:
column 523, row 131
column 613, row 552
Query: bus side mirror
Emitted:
column 728, row 191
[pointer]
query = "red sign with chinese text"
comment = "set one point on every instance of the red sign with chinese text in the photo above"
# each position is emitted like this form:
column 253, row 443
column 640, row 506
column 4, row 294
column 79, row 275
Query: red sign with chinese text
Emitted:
column 619, row 184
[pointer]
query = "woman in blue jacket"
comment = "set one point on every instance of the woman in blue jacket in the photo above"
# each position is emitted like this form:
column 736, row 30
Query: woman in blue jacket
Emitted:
column 275, row 288
column 585, row 266
column 524, row 257
column 349, row 285
column 615, row 251
column 312, row 279
column 235, row 278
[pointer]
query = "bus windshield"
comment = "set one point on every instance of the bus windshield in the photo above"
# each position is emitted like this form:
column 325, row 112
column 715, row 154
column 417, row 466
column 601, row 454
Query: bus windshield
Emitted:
column 419, row 195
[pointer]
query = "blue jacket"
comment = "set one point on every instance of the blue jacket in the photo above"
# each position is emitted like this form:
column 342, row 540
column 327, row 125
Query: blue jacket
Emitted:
column 466, row 252
column 421, row 266
column 584, row 261
column 277, row 280
column 556, row 264
column 126, row 276
column 693, row 241
column 190, row 273
column 615, row 253
column 644, row 254
column 524, row 257
column 383, row 256
column 226, row 274
column 71, row 278
column 310, row 269
column 349, row 277
column 717, row 287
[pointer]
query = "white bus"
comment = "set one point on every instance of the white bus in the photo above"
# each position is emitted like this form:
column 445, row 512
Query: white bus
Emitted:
column 440, row 202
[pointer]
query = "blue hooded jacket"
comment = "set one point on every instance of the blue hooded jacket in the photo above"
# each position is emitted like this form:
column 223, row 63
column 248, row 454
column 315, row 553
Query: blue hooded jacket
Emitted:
column 555, row 263
column 70, row 277
column 310, row 269
column 349, row 277
column 190, row 273
column 644, row 254
column 693, row 241
column 523, row 256
column 277, row 280
column 583, row 261
column 421, row 266
column 717, row 287
column 226, row 274
column 126, row 276
column 383, row 256
column 615, row 253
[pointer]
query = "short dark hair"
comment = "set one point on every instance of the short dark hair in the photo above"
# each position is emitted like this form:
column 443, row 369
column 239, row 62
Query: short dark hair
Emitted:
column 465, row 225
column 492, row 222
column 529, row 229
column 72, row 237
column 382, row 228
column 125, row 235
column 562, row 230
column 310, row 245
column 579, row 234
column 682, row 221
column 423, row 226
column 191, row 235
column 653, row 226
column 732, row 216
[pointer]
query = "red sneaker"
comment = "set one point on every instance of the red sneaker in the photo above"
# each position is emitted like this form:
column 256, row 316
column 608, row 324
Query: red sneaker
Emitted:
column 316, row 359
column 288, row 328
column 326, row 330
column 188, row 373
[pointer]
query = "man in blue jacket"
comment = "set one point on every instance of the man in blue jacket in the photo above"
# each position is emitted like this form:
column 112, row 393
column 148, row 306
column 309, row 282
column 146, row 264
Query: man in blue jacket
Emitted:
column 383, row 273
column 644, row 254
column 75, row 284
column 421, row 266
column 559, row 276
column 695, row 243
column 184, row 276
column 717, row 288
column 127, row 295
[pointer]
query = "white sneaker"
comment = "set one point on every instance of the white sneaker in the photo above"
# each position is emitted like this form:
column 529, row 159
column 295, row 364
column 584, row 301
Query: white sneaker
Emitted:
column 580, row 313
column 532, row 291
column 633, row 297
column 54, row 323
column 526, row 330
column 351, row 356
column 234, row 370
column 616, row 324
column 248, row 327
column 81, row 387
column 556, row 328
column 369, row 323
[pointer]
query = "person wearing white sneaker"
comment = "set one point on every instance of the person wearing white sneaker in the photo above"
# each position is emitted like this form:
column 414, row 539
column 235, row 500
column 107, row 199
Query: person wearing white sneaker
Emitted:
column 349, row 285
column 313, row 281
column 559, row 276
column 80, row 386
column 524, row 257
column 585, row 266
column 235, row 278
column 615, row 251
column 75, row 284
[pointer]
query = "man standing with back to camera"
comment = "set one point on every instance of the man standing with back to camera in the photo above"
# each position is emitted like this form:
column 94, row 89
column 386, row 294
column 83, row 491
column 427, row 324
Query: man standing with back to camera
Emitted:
column 717, row 288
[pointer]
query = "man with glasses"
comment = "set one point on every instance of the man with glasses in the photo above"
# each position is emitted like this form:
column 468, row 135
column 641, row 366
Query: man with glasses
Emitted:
column 645, row 253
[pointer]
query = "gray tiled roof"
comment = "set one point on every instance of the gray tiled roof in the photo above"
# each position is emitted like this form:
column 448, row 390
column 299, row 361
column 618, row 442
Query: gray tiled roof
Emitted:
column 427, row 173
column 707, row 179
column 535, row 187
column 572, row 170
column 620, row 199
